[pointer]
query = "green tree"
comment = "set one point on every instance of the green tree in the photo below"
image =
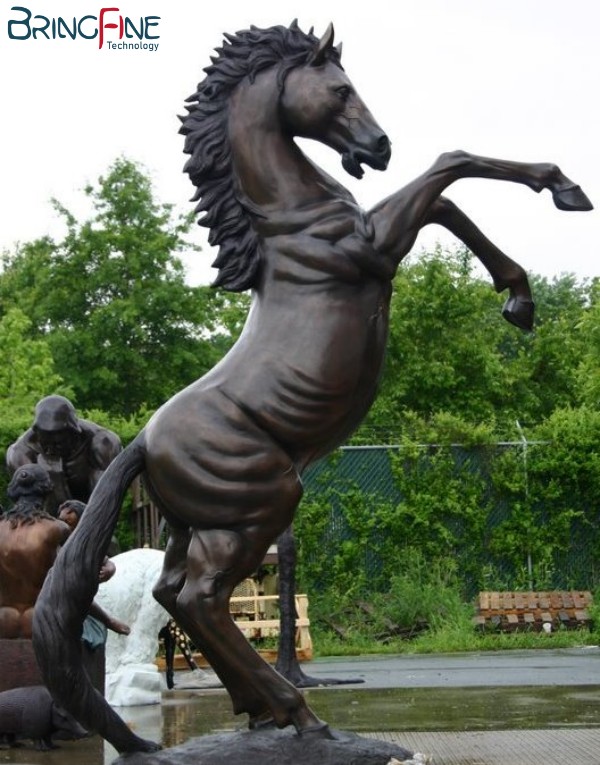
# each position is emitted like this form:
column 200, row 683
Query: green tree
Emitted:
column 441, row 351
column 450, row 351
column 27, row 371
column 588, row 369
column 124, row 328
column 554, row 350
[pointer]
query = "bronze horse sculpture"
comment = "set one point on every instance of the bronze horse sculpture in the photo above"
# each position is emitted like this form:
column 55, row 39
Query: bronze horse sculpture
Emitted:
column 223, row 458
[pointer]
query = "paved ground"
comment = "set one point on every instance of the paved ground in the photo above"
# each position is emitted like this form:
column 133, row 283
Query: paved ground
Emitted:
column 496, row 686
column 561, row 746
column 573, row 666
column 530, row 747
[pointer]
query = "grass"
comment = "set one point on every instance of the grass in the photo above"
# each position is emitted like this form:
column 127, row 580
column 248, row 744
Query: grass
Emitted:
column 426, row 593
column 450, row 640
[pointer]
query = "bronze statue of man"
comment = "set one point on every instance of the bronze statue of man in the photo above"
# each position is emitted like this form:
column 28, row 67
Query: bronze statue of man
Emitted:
column 30, row 539
column 29, row 542
column 73, row 451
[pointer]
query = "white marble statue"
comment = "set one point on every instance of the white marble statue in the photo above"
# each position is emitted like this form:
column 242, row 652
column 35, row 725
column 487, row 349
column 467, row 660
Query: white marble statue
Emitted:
column 132, row 676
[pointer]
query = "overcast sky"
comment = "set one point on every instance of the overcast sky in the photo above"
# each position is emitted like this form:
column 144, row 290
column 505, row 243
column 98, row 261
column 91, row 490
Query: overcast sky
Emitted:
column 517, row 79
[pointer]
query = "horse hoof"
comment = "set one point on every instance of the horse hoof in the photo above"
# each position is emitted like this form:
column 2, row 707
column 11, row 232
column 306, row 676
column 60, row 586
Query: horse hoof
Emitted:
column 519, row 311
column 571, row 198
column 148, row 746
column 264, row 722
column 319, row 730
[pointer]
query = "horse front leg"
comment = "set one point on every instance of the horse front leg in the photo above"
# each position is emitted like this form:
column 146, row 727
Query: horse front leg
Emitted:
column 505, row 272
column 566, row 194
column 396, row 221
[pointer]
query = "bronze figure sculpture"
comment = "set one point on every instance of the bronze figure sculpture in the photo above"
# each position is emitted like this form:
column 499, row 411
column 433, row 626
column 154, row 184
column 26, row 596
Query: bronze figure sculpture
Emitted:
column 223, row 458
column 75, row 452
column 29, row 541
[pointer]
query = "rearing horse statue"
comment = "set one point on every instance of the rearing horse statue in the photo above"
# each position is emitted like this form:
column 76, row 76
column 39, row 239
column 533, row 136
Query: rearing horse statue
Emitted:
column 223, row 458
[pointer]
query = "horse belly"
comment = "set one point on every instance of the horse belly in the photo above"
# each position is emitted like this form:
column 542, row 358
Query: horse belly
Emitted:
column 209, row 465
column 318, row 388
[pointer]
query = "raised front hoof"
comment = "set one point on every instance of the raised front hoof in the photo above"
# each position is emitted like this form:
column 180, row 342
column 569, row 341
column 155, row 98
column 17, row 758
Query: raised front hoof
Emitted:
column 572, row 198
column 519, row 311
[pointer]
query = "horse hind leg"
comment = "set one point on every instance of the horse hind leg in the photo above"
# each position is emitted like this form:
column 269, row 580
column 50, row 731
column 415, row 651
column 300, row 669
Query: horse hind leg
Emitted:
column 168, row 588
column 218, row 559
column 505, row 272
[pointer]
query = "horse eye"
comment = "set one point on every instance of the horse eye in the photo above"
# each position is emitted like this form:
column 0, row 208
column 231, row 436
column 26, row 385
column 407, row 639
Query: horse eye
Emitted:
column 343, row 92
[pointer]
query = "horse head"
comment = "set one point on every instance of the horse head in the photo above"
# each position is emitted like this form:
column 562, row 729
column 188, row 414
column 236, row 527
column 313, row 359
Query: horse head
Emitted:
column 320, row 102
column 261, row 85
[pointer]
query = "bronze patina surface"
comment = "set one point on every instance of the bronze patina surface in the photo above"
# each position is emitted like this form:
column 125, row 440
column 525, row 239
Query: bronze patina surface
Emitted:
column 223, row 458
column 73, row 451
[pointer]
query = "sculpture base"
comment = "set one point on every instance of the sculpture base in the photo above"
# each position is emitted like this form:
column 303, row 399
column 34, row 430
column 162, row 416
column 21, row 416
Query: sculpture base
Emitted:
column 273, row 747
column 20, row 669
column 134, row 685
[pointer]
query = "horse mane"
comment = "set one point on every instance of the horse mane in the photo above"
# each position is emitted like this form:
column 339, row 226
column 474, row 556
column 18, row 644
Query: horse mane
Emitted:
column 243, row 54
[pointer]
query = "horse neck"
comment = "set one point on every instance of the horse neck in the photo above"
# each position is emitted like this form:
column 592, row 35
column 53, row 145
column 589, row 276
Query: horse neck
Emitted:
column 270, row 169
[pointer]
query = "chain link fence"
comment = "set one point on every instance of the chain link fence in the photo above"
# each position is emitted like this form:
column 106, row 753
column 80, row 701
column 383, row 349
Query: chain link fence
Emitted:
column 502, row 513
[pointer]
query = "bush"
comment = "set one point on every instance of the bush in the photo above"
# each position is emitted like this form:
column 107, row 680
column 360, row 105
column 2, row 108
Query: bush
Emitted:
column 512, row 516
column 420, row 595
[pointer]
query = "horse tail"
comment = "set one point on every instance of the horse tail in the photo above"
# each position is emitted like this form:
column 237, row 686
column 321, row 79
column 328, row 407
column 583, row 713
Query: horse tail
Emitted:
column 65, row 600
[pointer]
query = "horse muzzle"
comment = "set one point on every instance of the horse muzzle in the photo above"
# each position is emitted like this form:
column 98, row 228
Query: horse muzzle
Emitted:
column 376, row 157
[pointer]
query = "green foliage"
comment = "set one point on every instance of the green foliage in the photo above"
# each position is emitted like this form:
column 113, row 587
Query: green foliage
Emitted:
column 554, row 351
column 424, row 590
column 444, row 504
column 512, row 516
column 111, row 301
column 440, row 357
column 421, row 593
column 450, row 638
column 27, row 371
column 587, row 376
column 451, row 352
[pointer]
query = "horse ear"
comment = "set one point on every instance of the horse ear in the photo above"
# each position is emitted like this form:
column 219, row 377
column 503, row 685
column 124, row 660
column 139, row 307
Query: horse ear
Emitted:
column 323, row 46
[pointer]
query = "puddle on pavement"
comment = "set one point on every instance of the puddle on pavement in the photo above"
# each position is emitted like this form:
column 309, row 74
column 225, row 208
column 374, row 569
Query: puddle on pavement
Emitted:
column 184, row 714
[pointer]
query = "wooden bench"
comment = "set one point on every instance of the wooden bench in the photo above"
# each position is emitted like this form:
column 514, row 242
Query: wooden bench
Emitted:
column 511, row 611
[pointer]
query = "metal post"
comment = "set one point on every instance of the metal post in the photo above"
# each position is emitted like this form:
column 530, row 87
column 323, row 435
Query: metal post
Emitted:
column 524, row 442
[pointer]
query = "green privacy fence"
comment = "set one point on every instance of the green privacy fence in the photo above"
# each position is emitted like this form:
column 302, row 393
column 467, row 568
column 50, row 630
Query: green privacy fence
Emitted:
column 509, row 516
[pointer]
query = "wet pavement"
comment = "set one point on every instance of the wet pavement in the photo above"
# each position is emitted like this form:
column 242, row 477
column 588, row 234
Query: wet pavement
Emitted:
column 462, row 708
column 569, row 666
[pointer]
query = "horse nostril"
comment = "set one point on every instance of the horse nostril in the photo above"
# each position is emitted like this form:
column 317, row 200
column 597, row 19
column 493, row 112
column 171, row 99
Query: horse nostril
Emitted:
column 383, row 145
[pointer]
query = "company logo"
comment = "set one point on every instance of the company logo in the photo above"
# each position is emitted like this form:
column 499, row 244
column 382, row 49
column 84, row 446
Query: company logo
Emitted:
column 113, row 30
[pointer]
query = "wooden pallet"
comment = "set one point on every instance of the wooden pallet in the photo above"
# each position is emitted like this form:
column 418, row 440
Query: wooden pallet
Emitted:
column 511, row 611
column 254, row 616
